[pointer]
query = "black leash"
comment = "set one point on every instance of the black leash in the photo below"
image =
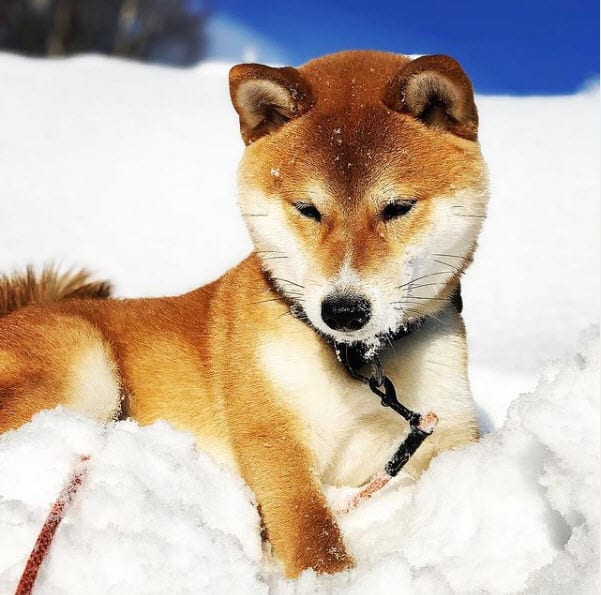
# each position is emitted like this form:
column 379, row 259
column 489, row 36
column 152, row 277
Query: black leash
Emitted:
column 352, row 359
column 353, row 356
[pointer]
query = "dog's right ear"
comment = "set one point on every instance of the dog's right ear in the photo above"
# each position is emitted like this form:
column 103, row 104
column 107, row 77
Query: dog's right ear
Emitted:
column 266, row 98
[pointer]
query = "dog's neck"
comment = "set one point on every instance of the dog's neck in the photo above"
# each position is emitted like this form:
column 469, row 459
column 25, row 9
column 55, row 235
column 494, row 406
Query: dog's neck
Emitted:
column 355, row 355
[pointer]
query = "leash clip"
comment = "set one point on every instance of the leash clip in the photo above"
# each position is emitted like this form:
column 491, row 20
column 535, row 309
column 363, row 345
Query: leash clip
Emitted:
column 382, row 386
column 420, row 427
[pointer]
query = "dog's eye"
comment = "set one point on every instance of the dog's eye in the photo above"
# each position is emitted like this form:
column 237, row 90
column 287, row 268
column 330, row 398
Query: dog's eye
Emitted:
column 397, row 209
column 308, row 210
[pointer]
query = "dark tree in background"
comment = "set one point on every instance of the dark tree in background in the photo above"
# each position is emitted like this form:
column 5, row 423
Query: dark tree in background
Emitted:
column 165, row 31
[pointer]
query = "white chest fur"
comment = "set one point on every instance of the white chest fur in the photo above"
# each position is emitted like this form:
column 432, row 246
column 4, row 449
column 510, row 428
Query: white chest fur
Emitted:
column 350, row 433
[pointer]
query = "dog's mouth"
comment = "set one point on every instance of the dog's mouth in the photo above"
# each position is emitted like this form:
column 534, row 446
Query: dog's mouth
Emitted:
column 345, row 316
column 368, row 344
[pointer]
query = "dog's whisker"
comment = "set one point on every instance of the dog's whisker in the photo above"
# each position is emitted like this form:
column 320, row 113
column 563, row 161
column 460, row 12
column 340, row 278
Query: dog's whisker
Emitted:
column 415, row 297
column 286, row 313
column 422, row 277
column 420, row 313
column 480, row 212
column 448, row 264
column 287, row 281
column 272, row 291
column 425, row 285
column 403, row 308
column 410, row 310
column 403, row 305
column 390, row 342
column 283, row 300
column 277, row 299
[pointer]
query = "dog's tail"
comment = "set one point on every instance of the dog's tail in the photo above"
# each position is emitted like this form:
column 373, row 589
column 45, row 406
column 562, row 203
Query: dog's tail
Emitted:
column 28, row 287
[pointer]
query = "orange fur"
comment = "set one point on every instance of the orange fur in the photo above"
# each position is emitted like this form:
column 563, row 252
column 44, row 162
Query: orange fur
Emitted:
column 26, row 288
column 193, row 360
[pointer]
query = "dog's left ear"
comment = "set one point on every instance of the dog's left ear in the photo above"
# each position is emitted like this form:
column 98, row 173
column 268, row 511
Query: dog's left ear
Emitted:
column 436, row 91
column 267, row 98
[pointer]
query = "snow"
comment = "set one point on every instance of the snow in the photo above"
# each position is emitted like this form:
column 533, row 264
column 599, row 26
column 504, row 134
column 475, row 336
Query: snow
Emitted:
column 151, row 514
column 534, row 284
column 516, row 512
column 130, row 170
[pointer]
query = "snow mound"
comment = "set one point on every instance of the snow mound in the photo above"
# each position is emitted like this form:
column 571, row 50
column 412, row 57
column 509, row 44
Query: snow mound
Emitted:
column 152, row 515
column 517, row 512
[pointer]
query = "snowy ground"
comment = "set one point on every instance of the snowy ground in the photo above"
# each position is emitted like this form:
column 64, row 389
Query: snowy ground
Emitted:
column 129, row 170
column 517, row 512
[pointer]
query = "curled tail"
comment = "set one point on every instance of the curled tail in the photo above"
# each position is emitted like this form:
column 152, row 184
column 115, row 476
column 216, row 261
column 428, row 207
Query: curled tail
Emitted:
column 28, row 287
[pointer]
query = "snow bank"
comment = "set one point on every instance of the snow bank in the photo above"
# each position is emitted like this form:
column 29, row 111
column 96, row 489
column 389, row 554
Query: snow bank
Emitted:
column 517, row 512
column 152, row 516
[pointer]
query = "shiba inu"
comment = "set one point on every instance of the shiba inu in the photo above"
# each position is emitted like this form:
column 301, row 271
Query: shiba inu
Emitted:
column 364, row 191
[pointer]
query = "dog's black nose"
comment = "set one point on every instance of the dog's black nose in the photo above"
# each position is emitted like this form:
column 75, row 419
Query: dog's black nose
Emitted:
column 345, row 313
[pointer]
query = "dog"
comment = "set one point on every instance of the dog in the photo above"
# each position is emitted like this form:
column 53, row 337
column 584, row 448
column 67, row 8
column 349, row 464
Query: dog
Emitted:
column 364, row 190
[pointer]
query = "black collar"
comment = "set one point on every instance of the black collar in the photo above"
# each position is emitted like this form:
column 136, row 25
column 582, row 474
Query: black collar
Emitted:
column 354, row 356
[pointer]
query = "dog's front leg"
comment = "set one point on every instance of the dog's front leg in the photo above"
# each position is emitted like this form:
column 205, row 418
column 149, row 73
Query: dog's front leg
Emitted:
column 278, row 468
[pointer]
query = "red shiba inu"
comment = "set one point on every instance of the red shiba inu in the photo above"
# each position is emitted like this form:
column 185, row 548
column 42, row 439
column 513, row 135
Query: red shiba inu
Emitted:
column 364, row 191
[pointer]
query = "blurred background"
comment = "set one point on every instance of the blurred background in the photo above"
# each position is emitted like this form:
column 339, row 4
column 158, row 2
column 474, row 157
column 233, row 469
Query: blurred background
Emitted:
column 509, row 47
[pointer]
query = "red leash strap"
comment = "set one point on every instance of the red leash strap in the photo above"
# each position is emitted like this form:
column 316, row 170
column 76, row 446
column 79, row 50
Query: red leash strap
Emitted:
column 42, row 544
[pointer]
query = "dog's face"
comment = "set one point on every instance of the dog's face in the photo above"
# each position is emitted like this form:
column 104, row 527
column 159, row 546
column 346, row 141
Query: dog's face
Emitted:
column 362, row 185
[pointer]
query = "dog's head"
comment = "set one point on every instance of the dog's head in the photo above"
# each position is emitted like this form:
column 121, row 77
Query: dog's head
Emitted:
column 362, row 185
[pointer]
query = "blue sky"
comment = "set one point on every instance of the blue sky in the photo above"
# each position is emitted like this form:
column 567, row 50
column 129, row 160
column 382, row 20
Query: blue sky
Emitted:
column 515, row 46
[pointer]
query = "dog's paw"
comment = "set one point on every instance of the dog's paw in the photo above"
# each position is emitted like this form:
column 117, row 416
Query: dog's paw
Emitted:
column 319, row 547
